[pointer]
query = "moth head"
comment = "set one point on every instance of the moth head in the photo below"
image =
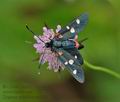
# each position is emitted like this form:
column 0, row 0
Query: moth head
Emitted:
column 48, row 44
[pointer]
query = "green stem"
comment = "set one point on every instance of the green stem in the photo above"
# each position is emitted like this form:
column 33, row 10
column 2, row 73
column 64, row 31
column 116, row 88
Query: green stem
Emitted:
column 103, row 69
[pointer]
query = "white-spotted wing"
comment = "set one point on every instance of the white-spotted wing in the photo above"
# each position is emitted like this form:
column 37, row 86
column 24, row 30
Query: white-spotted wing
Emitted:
column 74, row 27
column 72, row 64
column 75, row 53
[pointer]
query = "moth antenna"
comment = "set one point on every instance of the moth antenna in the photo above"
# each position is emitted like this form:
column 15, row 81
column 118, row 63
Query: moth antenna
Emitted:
column 30, row 30
column 33, row 33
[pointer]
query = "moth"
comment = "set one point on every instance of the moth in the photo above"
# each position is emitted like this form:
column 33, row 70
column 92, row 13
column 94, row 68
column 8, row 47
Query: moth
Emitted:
column 64, row 46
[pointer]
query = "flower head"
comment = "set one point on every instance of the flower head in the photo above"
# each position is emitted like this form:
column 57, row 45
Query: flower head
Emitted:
column 46, row 54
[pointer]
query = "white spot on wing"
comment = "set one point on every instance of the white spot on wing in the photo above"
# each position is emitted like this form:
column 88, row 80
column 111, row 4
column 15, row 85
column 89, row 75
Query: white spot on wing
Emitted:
column 78, row 21
column 71, row 62
column 75, row 56
column 75, row 71
column 72, row 30
column 66, row 63
column 67, row 27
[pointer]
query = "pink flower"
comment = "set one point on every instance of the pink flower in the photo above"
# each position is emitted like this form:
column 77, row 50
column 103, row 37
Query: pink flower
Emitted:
column 46, row 54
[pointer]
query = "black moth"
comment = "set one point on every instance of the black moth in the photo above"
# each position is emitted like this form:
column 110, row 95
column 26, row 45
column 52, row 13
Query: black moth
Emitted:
column 66, row 46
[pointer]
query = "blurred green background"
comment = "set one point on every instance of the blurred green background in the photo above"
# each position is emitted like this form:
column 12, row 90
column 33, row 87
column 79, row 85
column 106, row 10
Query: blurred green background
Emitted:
column 19, row 81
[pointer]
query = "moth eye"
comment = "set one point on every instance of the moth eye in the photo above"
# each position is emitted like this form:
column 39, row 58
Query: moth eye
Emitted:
column 71, row 62
column 68, row 27
column 75, row 71
column 78, row 21
column 66, row 63
column 72, row 30
column 75, row 56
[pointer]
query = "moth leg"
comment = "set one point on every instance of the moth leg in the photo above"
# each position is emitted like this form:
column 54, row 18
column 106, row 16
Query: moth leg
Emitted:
column 80, row 43
column 81, row 46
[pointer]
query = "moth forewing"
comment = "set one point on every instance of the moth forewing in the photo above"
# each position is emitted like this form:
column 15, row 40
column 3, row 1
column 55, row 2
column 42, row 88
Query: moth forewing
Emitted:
column 72, row 65
column 77, row 72
column 77, row 24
